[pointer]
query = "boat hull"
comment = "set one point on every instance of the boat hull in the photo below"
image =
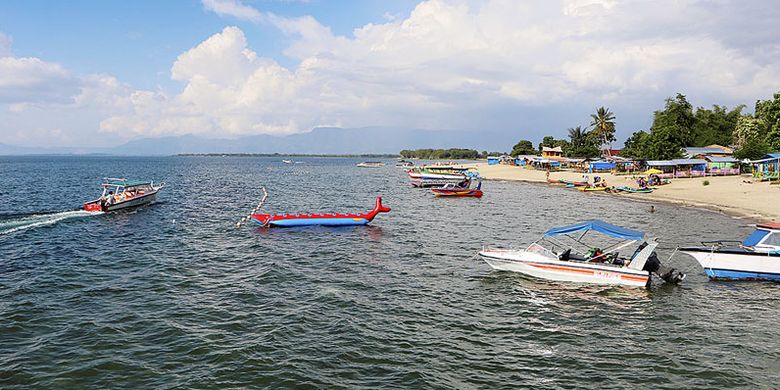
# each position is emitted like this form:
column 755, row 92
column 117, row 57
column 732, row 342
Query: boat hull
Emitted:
column 457, row 193
column 125, row 204
column 543, row 267
column 736, row 265
column 296, row 222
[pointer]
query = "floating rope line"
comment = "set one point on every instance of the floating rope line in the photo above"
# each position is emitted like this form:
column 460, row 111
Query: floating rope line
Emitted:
column 254, row 211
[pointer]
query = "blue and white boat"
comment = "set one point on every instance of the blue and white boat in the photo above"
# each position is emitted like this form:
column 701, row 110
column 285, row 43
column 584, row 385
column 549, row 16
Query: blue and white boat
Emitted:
column 757, row 257
column 553, row 259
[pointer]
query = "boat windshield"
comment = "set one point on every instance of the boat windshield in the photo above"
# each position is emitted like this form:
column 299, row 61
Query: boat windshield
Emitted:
column 773, row 240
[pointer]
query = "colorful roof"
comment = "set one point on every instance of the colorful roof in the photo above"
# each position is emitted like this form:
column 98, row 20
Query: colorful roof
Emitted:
column 721, row 159
column 681, row 161
column 770, row 225
column 599, row 226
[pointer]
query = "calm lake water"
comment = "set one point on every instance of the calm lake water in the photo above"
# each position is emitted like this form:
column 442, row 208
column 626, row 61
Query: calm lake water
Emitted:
column 174, row 296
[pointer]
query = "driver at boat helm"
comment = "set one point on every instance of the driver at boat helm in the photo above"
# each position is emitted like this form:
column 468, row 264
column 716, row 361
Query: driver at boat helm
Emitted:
column 109, row 198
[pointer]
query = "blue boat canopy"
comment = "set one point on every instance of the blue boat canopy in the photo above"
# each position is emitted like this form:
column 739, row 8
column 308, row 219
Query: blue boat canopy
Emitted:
column 599, row 226
column 754, row 238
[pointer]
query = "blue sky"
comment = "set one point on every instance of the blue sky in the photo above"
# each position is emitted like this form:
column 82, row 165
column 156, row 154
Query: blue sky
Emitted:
column 99, row 73
column 137, row 41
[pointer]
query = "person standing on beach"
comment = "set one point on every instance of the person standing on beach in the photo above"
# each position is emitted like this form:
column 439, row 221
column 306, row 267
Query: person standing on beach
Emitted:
column 547, row 174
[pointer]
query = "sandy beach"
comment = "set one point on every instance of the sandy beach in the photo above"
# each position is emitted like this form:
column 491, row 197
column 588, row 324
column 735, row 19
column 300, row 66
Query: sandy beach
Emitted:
column 727, row 194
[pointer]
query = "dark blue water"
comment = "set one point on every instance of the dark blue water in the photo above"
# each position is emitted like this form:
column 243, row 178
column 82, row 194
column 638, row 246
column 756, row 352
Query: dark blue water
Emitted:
column 174, row 296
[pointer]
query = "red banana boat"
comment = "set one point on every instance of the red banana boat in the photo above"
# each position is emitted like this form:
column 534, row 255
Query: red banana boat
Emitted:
column 290, row 220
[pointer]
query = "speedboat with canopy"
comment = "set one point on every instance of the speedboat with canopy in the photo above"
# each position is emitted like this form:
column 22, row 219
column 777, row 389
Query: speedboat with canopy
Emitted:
column 562, row 255
column 756, row 257
column 123, row 193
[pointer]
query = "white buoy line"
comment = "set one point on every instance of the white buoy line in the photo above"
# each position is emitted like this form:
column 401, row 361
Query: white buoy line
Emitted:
column 254, row 211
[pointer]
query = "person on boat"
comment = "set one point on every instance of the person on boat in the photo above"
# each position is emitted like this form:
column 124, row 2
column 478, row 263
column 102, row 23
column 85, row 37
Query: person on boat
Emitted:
column 108, row 199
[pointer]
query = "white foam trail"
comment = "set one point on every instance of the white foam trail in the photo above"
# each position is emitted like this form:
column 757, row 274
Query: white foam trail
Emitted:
column 37, row 220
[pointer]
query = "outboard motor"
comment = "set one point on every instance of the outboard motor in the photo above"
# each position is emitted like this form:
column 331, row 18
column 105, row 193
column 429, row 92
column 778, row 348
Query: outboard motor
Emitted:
column 669, row 275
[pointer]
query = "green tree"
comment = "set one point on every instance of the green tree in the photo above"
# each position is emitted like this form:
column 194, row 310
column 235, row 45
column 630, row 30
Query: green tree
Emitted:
column 768, row 112
column 582, row 143
column 636, row 145
column 715, row 126
column 676, row 118
column 753, row 149
column 603, row 122
column 522, row 148
column 748, row 128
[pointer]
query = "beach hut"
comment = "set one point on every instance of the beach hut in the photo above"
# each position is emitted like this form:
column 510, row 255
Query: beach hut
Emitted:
column 552, row 153
column 767, row 167
column 601, row 166
column 524, row 160
column 493, row 160
column 722, row 166
column 686, row 167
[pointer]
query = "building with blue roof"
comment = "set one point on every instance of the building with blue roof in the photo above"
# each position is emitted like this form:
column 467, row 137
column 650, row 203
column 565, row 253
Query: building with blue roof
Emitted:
column 767, row 167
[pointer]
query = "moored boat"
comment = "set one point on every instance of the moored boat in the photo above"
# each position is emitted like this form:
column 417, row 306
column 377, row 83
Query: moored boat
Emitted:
column 556, row 261
column 454, row 190
column 292, row 220
column 642, row 190
column 371, row 164
column 123, row 193
column 756, row 257
column 589, row 189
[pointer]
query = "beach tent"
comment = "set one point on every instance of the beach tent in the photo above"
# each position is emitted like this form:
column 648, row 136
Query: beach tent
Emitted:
column 493, row 160
column 652, row 171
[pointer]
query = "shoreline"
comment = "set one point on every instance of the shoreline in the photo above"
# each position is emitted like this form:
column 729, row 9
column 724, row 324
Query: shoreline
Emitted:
column 735, row 196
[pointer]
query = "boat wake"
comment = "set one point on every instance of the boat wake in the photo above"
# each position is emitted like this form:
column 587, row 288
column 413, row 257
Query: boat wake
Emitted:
column 18, row 223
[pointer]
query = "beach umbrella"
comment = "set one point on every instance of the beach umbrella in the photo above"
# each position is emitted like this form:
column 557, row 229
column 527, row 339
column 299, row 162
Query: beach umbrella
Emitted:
column 653, row 171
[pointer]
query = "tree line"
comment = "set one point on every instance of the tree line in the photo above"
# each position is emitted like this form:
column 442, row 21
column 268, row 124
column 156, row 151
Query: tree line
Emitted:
column 675, row 127
column 444, row 154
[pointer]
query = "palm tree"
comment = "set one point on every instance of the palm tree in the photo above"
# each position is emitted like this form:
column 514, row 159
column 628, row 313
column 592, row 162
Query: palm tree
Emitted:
column 577, row 136
column 604, row 126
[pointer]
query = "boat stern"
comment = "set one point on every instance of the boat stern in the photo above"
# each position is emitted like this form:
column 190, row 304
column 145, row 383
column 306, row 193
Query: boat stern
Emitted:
column 93, row 206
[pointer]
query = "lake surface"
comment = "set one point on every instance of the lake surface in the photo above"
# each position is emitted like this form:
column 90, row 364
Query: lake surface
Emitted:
column 174, row 296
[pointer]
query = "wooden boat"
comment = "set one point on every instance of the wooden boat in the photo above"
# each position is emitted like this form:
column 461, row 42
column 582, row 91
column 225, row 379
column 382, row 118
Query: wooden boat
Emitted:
column 555, row 262
column 588, row 189
column 755, row 258
column 292, row 220
column 458, row 191
column 371, row 164
column 438, row 173
column 573, row 183
column 642, row 190
column 431, row 183
column 122, row 193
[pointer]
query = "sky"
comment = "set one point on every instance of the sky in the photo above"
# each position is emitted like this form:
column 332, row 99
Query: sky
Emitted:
column 102, row 72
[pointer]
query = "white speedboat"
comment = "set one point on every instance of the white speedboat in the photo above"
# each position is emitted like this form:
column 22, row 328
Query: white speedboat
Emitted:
column 757, row 257
column 122, row 193
column 557, row 262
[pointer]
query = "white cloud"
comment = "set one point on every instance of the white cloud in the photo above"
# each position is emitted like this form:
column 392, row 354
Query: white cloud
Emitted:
column 233, row 8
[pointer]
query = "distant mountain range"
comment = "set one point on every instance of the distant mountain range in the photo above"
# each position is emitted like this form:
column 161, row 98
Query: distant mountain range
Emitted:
column 324, row 140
